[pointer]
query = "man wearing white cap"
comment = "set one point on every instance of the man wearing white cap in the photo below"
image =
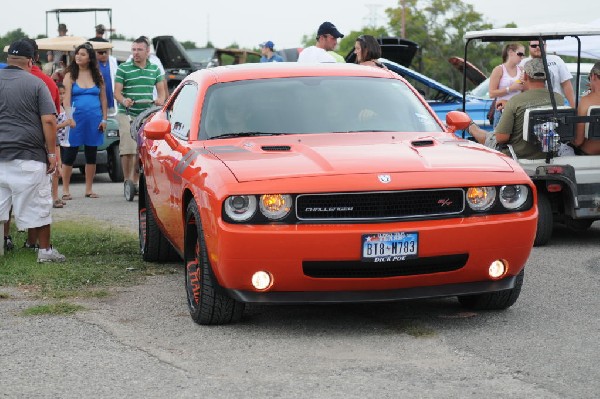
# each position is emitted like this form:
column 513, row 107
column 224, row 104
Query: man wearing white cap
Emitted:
column 327, row 37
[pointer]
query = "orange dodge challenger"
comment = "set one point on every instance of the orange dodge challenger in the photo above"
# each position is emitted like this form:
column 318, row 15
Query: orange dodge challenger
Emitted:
column 292, row 183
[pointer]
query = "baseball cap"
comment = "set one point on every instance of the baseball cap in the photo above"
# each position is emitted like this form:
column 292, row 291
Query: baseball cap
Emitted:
column 327, row 28
column 534, row 68
column 268, row 44
column 100, row 28
column 21, row 48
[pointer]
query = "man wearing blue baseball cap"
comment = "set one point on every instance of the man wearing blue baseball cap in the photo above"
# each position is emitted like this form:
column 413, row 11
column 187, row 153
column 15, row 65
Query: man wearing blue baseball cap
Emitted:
column 327, row 37
column 268, row 52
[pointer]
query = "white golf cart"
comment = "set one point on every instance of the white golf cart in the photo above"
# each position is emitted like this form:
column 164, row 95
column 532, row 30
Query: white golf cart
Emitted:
column 568, row 186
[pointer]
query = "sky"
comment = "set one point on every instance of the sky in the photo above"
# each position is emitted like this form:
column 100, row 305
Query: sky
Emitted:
column 249, row 23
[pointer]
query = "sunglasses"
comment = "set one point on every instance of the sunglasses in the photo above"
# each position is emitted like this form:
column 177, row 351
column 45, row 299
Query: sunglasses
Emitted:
column 520, row 54
column 534, row 45
column 101, row 52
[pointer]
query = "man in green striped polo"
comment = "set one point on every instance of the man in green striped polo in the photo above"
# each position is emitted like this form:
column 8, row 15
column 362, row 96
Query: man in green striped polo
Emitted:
column 134, row 85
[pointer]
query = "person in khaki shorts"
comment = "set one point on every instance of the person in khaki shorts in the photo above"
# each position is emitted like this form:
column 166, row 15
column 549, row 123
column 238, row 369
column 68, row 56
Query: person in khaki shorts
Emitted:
column 135, row 81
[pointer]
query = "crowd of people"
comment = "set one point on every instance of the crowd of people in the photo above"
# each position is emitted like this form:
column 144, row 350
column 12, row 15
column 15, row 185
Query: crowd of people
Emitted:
column 48, row 114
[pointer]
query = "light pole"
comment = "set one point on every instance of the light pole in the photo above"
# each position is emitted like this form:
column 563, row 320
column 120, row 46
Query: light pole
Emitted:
column 403, row 30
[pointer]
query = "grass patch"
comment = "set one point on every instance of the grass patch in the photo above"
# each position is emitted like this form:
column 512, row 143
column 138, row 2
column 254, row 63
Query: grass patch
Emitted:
column 98, row 256
column 418, row 331
column 4, row 295
column 61, row 308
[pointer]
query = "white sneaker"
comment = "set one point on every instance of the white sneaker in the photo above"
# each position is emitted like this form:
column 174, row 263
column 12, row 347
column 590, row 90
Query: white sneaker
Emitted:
column 50, row 255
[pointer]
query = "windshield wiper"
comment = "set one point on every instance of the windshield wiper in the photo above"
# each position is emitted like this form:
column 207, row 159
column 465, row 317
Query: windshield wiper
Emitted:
column 244, row 134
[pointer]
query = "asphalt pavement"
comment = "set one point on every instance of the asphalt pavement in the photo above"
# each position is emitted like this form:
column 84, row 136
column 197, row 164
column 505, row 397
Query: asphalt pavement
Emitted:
column 141, row 343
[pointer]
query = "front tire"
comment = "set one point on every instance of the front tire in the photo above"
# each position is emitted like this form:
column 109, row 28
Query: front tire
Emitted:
column 499, row 300
column 207, row 302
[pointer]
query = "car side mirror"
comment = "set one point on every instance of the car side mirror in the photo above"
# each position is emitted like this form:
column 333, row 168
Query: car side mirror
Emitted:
column 157, row 129
column 457, row 120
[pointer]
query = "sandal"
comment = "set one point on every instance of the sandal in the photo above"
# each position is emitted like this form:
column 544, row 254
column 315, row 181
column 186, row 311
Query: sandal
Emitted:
column 67, row 197
column 57, row 204
column 91, row 195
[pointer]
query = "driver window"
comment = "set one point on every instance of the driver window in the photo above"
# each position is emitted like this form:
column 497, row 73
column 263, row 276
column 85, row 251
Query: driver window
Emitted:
column 182, row 110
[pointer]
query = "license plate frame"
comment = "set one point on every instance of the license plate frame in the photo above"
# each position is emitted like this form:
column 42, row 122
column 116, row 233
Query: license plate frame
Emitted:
column 389, row 247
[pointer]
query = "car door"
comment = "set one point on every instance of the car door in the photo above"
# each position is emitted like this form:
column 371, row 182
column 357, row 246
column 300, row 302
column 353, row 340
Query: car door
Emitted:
column 168, row 164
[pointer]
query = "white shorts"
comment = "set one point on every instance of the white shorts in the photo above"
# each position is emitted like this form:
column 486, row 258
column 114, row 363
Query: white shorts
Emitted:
column 26, row 187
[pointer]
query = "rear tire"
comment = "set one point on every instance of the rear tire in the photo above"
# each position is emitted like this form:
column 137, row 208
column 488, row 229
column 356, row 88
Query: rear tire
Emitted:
column 154, row 246
column 208, row 303
column 545, row 221
column 494, row 300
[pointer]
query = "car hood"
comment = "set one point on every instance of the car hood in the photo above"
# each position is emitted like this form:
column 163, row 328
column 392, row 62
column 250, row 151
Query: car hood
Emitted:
column 252, row 159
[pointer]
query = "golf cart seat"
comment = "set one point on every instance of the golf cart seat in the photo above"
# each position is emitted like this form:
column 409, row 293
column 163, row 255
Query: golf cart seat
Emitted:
column 541, row 126
column 592, row 129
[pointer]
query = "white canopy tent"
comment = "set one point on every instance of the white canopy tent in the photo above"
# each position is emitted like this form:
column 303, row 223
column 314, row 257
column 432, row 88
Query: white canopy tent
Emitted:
column 590, row 45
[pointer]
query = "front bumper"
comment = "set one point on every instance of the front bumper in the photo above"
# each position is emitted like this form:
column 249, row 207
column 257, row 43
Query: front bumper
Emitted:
column 287, row 252
column 373, row 296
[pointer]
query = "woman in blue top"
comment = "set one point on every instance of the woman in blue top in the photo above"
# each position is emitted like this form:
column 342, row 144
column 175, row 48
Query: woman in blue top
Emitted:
column 85, row 103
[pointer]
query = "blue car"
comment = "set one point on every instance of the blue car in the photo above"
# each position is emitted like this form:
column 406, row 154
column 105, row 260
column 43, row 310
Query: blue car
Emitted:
column 443, row 99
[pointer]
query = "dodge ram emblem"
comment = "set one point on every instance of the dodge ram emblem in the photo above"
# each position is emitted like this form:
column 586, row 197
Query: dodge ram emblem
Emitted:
column 385, row 178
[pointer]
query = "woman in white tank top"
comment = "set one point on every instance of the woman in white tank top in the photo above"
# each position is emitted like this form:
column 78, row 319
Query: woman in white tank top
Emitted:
column 505, row 80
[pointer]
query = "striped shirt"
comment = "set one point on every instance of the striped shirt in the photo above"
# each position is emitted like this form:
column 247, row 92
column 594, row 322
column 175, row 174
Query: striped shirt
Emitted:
column 138, row 84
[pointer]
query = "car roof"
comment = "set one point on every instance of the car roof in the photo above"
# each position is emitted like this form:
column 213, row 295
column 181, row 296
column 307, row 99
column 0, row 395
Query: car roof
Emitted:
column 230, row 73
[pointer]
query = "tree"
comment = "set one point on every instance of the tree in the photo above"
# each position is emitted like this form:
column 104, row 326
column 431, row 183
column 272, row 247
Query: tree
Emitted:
column 8, row 39
column 188, row 44
column 439, row 26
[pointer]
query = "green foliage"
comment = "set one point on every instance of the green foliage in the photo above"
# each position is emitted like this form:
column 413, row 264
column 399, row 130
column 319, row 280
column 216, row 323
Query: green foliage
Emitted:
column 438, row 26
column 8, row 39
column 61, row 308
column 188, row 44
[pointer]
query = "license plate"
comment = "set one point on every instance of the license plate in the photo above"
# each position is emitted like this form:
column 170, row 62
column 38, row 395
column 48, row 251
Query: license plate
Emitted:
column 389, row 247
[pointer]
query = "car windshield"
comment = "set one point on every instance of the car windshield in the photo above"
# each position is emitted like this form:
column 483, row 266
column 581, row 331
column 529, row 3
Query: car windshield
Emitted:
column 304, row 105
column 482, row 90
column 201, row 55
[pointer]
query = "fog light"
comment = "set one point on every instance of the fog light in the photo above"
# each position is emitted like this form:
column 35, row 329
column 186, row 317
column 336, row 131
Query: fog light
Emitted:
column 497, row 269
column 261, row 280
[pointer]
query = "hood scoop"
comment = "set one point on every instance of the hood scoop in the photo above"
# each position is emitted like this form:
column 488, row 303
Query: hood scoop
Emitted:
column 276, row 148
column 422, row 143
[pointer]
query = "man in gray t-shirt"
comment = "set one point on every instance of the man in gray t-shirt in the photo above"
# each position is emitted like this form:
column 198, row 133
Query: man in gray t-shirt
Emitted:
column 27, row 148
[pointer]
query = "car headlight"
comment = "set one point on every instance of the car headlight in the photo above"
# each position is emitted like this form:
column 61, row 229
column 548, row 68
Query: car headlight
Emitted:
column 240, row 207
column 275, row 206
column 481, row 198
column 513, row 197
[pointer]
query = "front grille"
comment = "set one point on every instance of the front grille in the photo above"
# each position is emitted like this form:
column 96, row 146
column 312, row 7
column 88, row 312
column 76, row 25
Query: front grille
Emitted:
column 380, row 205
column 409, row 267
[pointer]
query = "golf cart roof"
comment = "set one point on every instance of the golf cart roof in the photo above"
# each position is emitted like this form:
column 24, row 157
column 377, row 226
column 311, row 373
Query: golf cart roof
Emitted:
column 78, row 9
column 66, row 43
column 95, row 10
column 546, row 31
